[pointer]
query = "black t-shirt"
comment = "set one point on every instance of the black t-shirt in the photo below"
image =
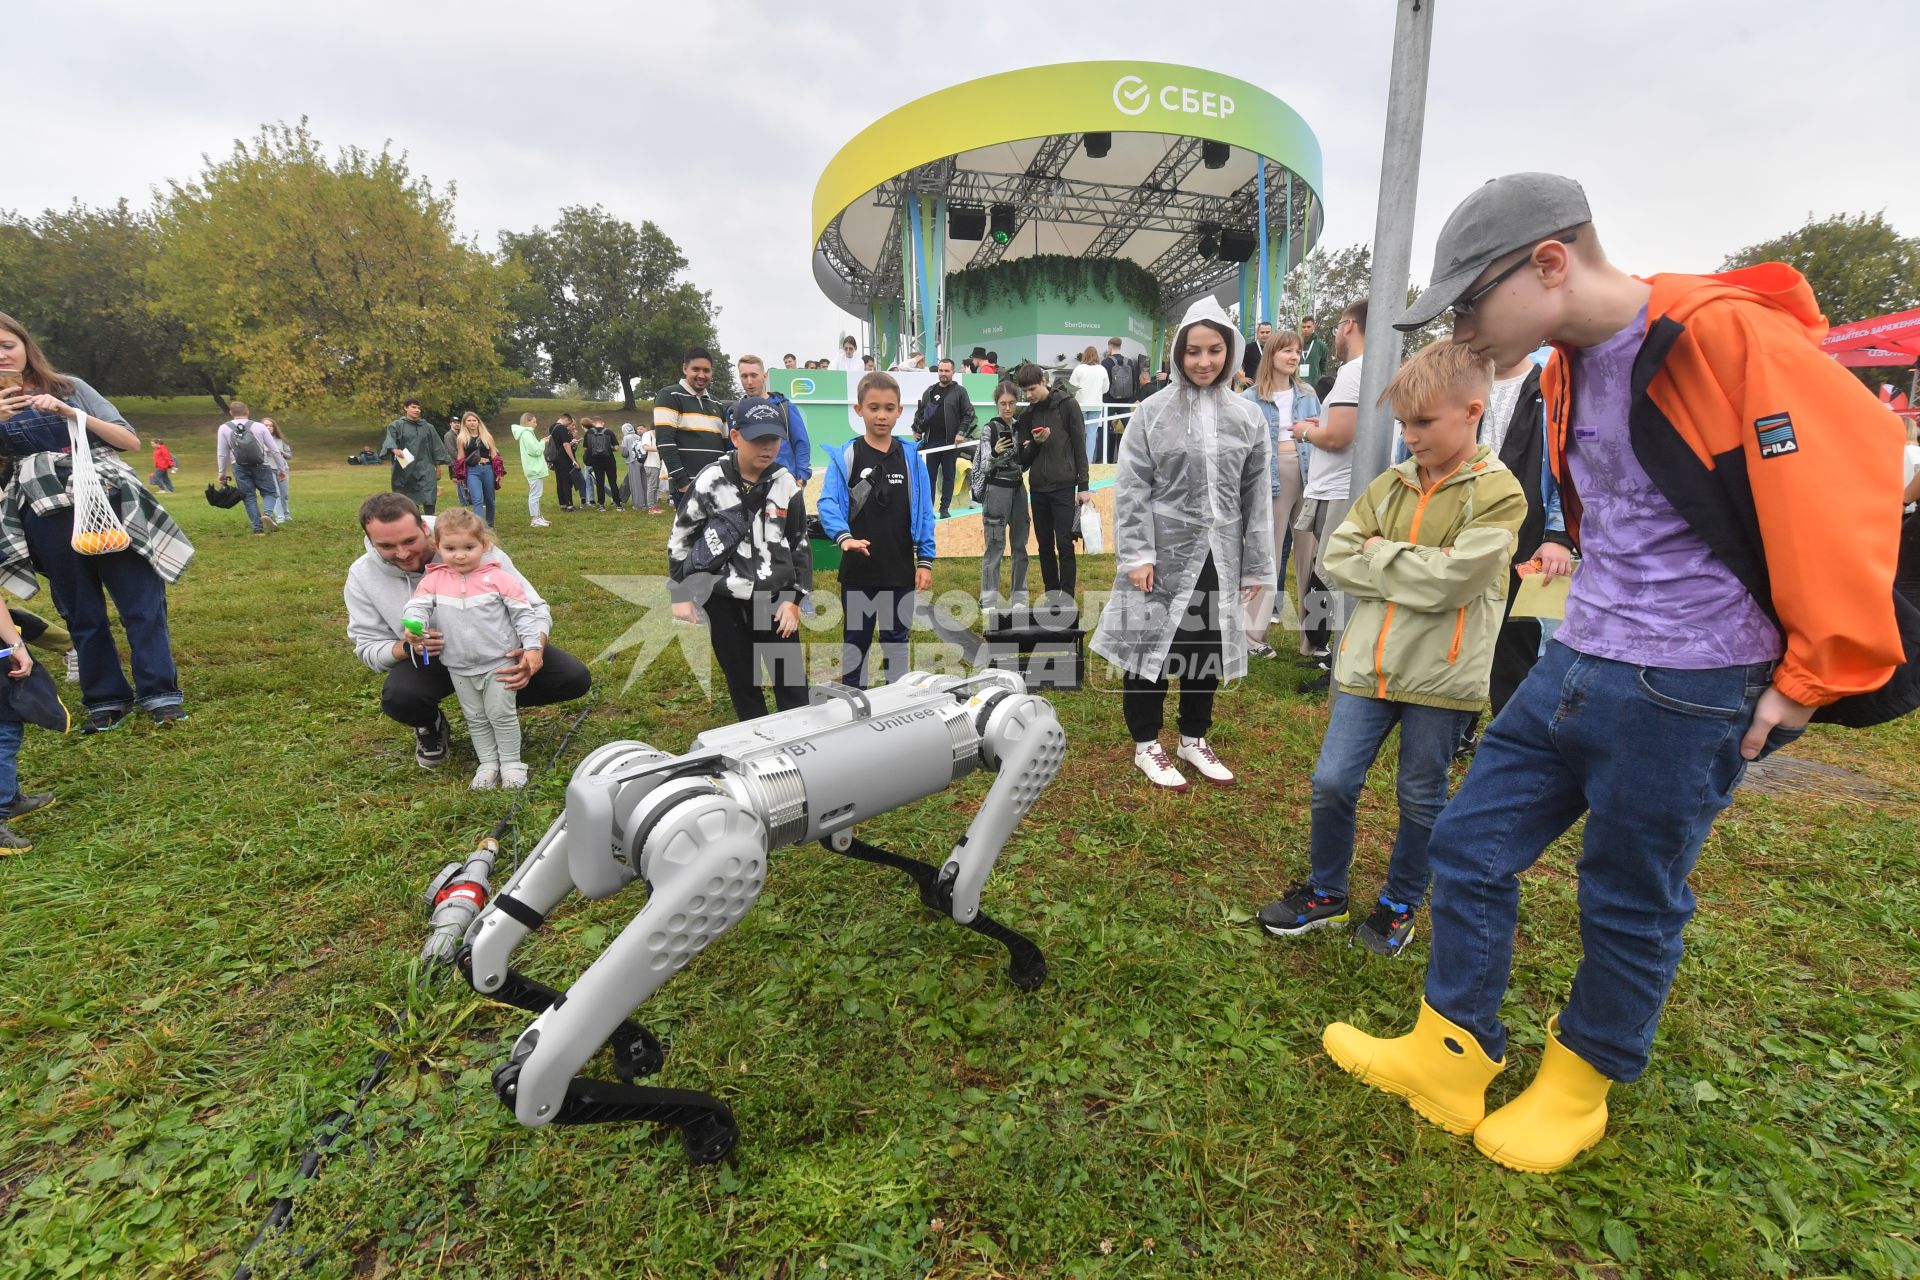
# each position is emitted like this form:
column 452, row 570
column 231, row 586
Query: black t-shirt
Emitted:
column 885, row 521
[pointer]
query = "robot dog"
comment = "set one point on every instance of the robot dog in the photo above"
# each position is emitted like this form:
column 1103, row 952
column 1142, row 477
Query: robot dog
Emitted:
column 698, row 829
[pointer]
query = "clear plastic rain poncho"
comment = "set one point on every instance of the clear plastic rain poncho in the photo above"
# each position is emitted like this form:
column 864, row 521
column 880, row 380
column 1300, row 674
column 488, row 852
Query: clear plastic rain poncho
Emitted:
column 1193, row 479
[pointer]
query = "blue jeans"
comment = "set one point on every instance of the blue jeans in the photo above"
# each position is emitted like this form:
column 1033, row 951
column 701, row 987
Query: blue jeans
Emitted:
column 80, row 585
column 1651, row 755
column 479, row 491
column 259, row 490
column 1355, row 733
column 10, row 734
column 282, row 512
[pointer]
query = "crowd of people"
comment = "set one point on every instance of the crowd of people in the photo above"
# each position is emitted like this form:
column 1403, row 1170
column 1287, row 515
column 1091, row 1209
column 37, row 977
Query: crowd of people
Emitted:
column 1719, row 600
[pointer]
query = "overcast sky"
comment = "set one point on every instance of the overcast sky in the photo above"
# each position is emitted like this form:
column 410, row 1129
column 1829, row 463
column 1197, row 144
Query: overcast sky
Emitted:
column 1697, row 127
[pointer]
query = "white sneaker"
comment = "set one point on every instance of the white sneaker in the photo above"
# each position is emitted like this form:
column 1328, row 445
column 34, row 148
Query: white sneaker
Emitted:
column 73, row 666
column 1197, row 753
column 513, row 777
column 542, row 524
column 485, row 778
column 1150, row 758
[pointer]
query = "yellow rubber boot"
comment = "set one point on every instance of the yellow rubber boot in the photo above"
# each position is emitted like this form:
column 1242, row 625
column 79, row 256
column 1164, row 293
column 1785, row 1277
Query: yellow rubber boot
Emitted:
column 1440, row 1069
column 1554, row 1119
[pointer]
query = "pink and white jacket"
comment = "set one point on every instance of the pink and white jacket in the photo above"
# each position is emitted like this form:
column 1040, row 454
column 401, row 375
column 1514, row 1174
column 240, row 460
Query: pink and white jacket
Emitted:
column 481, row 615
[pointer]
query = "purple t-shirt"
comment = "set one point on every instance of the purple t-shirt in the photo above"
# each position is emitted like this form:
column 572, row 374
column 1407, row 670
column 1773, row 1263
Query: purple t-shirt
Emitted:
column 1648, row 590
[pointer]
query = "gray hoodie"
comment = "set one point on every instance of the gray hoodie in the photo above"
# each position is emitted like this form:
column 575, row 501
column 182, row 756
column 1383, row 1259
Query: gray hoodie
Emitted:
column 377, row 594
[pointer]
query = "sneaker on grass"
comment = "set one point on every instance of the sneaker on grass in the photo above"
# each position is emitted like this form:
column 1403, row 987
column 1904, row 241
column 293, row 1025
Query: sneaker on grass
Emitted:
column 26, row 804
column 1387, row 929
column 485, row 778
column 1151, row 759
column 101, row 721
column 1302, row 910
column 430, row 744
column 1197, row 753
column 12, row 841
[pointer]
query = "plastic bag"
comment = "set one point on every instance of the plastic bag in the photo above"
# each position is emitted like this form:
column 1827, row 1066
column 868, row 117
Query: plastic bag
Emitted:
column 97, row 530
column 1092, row 539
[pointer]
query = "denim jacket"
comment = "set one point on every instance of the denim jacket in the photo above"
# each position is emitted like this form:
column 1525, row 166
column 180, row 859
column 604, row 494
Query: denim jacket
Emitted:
column 32, row 431
column 1305, row 405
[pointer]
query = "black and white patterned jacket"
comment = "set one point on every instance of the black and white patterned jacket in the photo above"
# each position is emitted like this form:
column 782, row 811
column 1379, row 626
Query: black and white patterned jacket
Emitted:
column 773, row 558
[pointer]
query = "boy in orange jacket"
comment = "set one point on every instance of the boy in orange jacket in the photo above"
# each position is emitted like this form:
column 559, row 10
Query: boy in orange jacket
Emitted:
column 1725, row 594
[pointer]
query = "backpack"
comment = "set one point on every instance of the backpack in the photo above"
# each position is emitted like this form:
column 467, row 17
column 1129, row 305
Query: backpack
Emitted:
column 599, row 442
column 553, row 453
column 247, row 451
column 1122, row 381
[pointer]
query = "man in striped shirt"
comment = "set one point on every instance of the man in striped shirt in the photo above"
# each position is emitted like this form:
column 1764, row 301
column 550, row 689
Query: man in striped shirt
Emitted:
column 689, row 424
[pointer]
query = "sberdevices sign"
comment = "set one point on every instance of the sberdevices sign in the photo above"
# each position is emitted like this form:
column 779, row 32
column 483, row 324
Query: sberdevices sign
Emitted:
column 1133, row 95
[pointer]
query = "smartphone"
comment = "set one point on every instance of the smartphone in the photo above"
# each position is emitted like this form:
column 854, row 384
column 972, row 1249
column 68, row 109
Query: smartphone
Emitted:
column 9, row 378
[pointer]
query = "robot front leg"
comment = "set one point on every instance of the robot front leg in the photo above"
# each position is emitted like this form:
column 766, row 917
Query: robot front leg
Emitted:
column 521, row 907
column 706, row 860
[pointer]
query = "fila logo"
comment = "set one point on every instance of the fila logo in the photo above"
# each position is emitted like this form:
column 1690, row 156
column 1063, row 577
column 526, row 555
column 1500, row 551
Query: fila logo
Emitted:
column 1776, row 435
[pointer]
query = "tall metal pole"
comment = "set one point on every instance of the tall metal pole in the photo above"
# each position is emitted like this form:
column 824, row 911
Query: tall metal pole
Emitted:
column 1265, row 305
column 1392, row 237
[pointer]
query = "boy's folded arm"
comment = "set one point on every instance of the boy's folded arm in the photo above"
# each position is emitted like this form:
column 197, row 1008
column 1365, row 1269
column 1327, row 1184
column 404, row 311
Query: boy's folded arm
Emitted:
column 1435, row 579
column 1345, row 563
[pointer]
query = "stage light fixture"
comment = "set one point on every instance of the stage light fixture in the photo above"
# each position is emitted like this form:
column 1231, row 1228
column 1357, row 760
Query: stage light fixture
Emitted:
column 1214, row 154
column 1209, row 239
column 1238, row 245
column 1002, row 227
column 1097, row 144
column 966, row 222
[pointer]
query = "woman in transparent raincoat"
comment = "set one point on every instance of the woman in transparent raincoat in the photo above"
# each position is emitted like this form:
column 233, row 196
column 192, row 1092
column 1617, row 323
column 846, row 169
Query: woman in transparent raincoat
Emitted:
column 1192, row 522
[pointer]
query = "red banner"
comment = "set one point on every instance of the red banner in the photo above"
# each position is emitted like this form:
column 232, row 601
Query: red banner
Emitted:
column 1898, row 332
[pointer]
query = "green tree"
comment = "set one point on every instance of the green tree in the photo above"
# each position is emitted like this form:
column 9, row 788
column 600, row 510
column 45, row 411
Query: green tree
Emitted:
column 77, row 278
column 605, row 303
column 335, row 282
column 1327, row 282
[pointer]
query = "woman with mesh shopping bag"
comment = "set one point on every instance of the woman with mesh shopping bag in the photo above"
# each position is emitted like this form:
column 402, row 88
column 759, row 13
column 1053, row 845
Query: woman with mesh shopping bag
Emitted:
column 81, row 517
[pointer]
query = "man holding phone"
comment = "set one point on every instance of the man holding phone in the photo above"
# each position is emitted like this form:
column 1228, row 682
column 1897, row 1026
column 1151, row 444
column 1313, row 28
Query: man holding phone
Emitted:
column 1053, row 450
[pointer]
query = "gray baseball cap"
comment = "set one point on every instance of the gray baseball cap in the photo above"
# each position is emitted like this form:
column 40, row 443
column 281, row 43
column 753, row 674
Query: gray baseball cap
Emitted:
column 1507, row 213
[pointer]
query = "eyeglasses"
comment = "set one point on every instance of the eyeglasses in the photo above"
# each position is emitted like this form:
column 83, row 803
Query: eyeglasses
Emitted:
column 1463, row 309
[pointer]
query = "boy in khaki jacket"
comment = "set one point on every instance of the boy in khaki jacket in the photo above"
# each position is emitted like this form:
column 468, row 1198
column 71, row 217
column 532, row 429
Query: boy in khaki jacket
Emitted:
column 1424, row 555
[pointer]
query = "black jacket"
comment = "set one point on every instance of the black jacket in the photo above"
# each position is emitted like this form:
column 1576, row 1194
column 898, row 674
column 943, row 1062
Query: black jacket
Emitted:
column 1060, row 462
column 954, row 422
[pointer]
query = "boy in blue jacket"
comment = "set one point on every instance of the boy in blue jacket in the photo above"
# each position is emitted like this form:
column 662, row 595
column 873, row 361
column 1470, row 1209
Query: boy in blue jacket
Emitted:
column 877, row 505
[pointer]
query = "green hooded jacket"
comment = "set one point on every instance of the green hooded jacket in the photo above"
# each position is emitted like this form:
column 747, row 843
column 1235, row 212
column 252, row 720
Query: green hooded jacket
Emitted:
column 1429, row 596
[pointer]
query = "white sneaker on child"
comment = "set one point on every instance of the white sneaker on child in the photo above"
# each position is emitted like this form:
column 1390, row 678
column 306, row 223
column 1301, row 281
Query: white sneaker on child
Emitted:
column 513, row 777
column 485, row 778
column 1150, row 758
column 1197, row 753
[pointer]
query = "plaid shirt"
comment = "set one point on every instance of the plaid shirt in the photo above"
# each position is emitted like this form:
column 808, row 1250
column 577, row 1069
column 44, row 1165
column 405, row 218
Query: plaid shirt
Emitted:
column 36, row 485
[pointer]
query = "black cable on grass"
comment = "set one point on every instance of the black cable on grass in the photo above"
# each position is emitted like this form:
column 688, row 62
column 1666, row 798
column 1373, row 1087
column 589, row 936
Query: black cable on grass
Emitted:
column 335, row 1125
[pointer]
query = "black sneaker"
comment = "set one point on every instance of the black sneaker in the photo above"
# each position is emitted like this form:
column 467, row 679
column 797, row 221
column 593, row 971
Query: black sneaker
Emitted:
column 430, row 744
column 165, row 716
column 101, row 721
column 12, row 842
column 1303, row 910
column 1259, row 649
column 25, row 805
column 1387, row 929
column 1319, row 686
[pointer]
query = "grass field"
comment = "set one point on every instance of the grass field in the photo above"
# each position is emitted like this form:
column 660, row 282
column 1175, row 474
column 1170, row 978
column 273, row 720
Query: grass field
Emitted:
column 217, row 923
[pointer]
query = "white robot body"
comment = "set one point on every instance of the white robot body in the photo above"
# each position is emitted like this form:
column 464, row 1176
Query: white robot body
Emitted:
column 698, row 829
